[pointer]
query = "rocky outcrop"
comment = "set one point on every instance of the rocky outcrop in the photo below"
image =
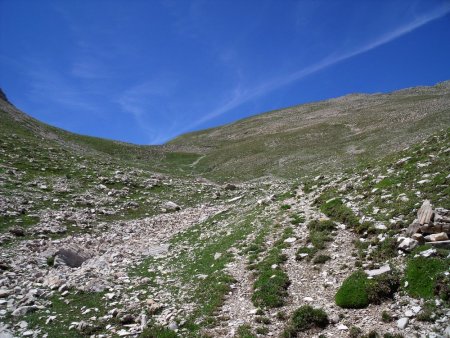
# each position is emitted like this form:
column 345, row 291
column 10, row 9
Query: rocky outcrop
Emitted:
column 431, row 225
column 3, row 96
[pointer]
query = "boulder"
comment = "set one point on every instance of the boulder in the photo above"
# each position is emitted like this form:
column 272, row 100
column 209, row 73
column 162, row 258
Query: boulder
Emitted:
column 407, row 244
column 442, row 236
column 17, row 231
column 23, row 310
column 73, row 256
column 230, row 186
column 171, row 206
column 413, row 228
column 402, row 323
column 425, row 213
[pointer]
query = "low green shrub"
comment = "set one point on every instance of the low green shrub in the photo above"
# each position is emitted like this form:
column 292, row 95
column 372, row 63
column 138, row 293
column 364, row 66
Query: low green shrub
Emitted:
column 305, row 318
column 321, row 259
column 353, row 292
column 244, row 331
column 382, row 287
column 297, row 219
column 51, row 260
column 354, row 332
column 271, row 283
column 365, row 227
column 337, row 210
column 386, row 317
column 442, row 287
column 393, row 335
column 318, row 239
column 357, row 291
column 384, row 251
column 311, row 251
column 321, row 225
column 427, row 314
column 270, row 288
column 262, row 330
column 371, row 334
column 263, row 320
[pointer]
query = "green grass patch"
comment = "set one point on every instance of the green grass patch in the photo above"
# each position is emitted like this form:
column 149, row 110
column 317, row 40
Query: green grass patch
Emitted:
column 158, row 332
column 422, row 274
column 310, row 251
column 305, row 318
column 245, row 331
column 385, row 250
column 67, row 313
column 270, row 287
column 357, row 291
column 297, row 219
column 338, row 211
column 321, row 259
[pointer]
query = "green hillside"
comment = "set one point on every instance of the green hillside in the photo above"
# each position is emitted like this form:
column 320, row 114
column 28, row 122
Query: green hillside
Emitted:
column 320, row 136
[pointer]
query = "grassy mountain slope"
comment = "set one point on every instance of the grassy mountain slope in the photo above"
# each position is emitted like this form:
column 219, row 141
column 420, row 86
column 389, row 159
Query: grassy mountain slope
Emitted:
column 240, row 260
column 320, row 136
column 15, row 122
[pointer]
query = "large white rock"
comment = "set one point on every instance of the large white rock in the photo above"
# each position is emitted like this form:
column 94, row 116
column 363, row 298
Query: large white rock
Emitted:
column 441, row 236
column 379, row 271
column 402, row 323
column 447, row 332
column 407, row 244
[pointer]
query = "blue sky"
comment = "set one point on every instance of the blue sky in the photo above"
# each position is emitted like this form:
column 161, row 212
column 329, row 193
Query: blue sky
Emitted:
column 147, row 71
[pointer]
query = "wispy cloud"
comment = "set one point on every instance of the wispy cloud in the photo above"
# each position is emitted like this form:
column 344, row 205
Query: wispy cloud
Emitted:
column 47, row 85
column 144, row 103
column 241, row 96
column 89, row 70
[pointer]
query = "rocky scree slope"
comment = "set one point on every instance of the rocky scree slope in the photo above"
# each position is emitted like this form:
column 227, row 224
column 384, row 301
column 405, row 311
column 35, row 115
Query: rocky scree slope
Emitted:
column 92, row 245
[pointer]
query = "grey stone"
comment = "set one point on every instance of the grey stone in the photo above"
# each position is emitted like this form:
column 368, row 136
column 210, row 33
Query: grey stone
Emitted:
column 407, row 244
column 171, row 206
column 447, row 332
column 442, row 236
column 379, row 271
column 5, row 293
column 402, row 323
column 73, row 256
column 23, row 310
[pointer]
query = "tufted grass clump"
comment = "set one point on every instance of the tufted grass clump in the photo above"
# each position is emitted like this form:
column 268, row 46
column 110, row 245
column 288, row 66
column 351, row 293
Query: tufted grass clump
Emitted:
column 357, row 291
column 305, row 318
column 353, row 292
column 321, row 259
column 321, row 225
column 245, row 331
column 310, row 251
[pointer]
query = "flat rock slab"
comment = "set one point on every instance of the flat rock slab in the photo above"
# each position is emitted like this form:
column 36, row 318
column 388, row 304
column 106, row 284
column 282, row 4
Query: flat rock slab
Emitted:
column 441, row 244
column 425, row 213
